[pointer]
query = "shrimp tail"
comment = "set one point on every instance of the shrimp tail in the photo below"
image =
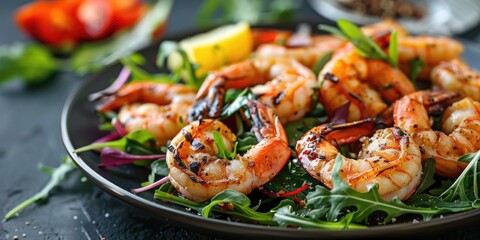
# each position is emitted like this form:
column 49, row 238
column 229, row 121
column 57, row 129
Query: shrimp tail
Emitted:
column 346, row 133
column 211, row 105
column 265, row 124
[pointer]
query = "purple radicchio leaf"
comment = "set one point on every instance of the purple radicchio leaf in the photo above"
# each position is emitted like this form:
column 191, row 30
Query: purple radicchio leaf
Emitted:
column 151, row 186
column 340, row 115
column 112, row 89
column 111, row 157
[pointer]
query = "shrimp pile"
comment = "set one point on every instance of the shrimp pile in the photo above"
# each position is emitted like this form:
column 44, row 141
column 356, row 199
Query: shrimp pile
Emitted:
column 382, row 110
column 157, row 107
column 281, row 83
column 199, row 174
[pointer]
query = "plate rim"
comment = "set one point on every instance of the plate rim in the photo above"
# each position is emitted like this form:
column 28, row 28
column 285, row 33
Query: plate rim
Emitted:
column 174, row 216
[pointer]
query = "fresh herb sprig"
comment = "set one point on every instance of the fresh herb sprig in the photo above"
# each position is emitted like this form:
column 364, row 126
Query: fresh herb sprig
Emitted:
column 364, row 45
column 57, row 176
column 223, row 151
column 186, row 70
column 416, row 66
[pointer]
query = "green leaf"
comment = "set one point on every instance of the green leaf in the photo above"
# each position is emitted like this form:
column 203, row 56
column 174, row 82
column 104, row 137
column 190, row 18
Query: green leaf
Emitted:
column 342, row 197
column 238, row 102
column 246, row 141
column 290, row 178
column 31, row 63
column 317, row 68
column 364, row 45
column 92, row 57
column 416, row 66
column 187, row 68
column 465, row 181
column 295, row 130
column 223, row 152
column 241, row 205
column 427, row 178
column 166, row 196
column 140, row 136
column 285, row 217
column 159, row 167
column 393, row 49
column 57, row 177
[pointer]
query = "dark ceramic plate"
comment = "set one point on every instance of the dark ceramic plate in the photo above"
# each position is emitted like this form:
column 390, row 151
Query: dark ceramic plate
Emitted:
column 80, row 127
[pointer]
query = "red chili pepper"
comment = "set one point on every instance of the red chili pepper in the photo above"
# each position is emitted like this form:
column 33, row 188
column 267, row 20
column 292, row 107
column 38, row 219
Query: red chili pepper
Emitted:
column 262, row 36
column 286, row 194
column 294, row 192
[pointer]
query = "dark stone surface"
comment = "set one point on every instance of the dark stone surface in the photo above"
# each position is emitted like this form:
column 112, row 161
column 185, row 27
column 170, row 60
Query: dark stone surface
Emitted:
column 30, row 135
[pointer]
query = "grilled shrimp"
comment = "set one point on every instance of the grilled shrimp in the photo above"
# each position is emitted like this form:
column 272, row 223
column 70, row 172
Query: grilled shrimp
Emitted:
column 460, row 129
column 282, row 84
column 366, row 83
column 308, row 54
column 389, row 158
column 157, row 107
column 199, row 174
column 432, row 50
column 387, row 25
column 457, row 76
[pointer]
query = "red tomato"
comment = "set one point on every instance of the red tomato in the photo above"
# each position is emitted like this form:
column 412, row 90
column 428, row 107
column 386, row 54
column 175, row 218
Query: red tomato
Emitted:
column 50, row 22
column 96, row 17
column 127, row 13
column 65, row 23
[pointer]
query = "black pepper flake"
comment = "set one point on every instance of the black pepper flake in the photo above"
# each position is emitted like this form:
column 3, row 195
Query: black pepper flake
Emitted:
column 331, row 77
column 196, row 145
column 188, row 135
column 194, row 167
column 279, row 97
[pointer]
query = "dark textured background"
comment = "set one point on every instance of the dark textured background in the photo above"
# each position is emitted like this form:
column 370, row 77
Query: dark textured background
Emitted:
column 30, row 134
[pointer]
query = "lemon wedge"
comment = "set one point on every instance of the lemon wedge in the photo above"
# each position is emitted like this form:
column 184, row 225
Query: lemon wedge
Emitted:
column 216, row 48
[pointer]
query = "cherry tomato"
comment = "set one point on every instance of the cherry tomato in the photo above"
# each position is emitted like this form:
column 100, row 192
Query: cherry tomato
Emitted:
column 96, row 17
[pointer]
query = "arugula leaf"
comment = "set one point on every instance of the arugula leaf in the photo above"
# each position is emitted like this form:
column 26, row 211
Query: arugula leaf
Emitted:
column 465, row 181
column 343, row 197
column 241, row 205
column 296, row 129
column 223, row 152
column 427, row 178
column 246, row 141
column 290, row 178
column 364, row 45
column 187, row 68
column 31, row 63
column 238, row 102
column 393, row 49
column 318, row 66
column 58, row 175
column 416, row 66
column 285, row 217
column 133, row 61
column 92, row 57
column 167, row 196
column 159, row 167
